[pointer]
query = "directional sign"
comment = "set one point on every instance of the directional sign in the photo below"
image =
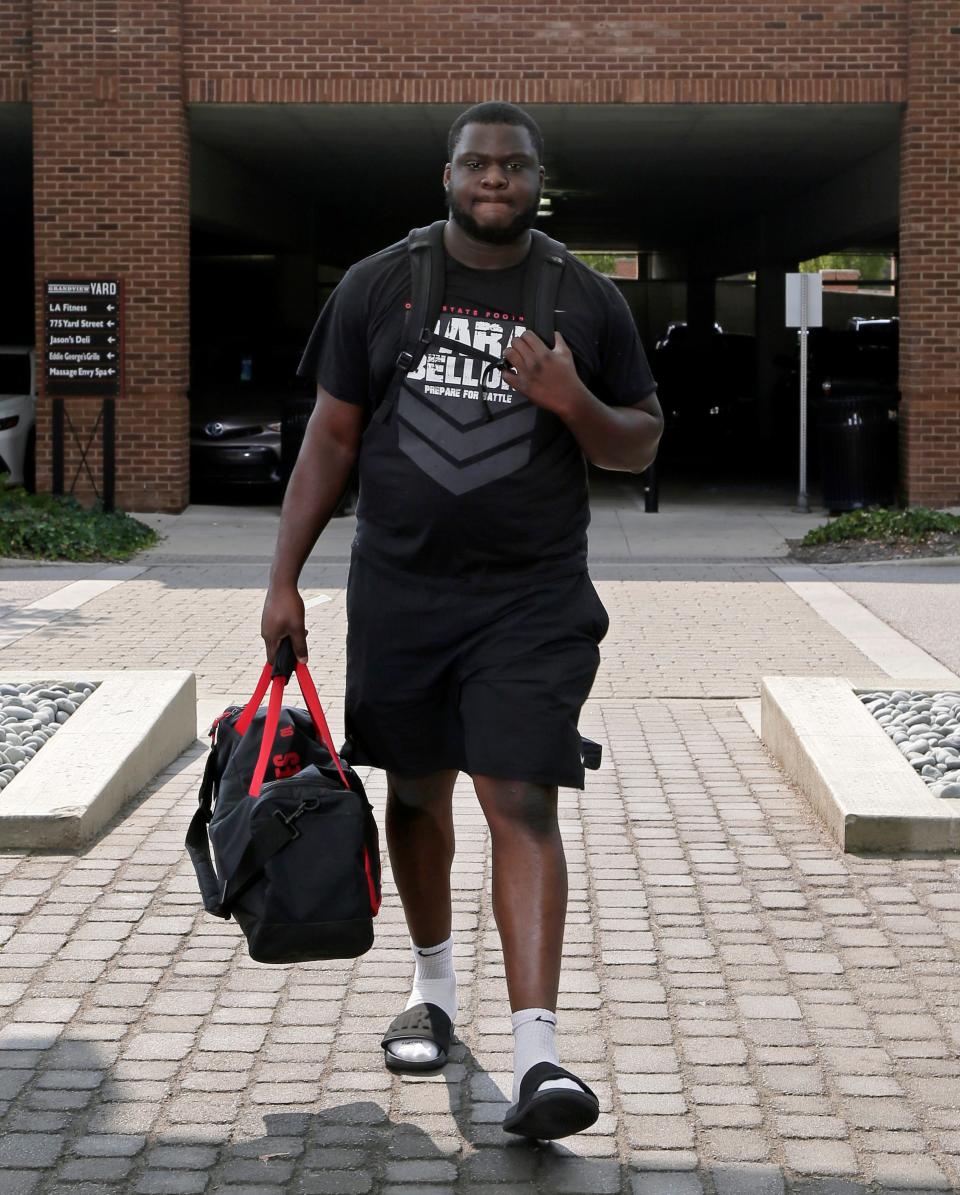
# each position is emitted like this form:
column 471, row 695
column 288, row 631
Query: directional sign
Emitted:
column 83, row 337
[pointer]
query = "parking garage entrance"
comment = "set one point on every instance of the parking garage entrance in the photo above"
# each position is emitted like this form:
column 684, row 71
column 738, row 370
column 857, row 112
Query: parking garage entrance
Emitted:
column 708, row 205
column 16, row 226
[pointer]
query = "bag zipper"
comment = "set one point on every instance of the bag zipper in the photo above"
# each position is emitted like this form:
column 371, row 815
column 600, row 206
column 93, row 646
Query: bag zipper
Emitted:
column 231, row 709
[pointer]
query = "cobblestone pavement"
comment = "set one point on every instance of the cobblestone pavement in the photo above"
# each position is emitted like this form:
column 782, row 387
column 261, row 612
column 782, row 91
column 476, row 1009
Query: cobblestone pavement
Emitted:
column 758, row 1012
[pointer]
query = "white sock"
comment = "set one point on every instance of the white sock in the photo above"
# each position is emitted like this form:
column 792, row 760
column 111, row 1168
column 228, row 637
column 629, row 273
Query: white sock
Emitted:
column 434, row 982
column 534, row 1040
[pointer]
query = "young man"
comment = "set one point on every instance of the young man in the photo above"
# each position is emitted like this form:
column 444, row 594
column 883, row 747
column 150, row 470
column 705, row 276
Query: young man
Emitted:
column 473, row 627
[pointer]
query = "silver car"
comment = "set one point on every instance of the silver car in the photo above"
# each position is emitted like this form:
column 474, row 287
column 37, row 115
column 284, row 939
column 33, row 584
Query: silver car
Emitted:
column 18, row 412
column 235, row 440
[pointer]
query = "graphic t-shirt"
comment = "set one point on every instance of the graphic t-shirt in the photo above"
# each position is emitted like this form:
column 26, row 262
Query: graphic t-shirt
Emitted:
column 468, row 482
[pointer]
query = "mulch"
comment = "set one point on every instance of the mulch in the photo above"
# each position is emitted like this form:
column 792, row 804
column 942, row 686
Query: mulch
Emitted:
column 939, row 543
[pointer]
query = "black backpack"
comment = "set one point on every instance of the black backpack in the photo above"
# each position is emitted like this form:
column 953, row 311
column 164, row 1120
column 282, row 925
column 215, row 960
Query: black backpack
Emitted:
column 541, row 281
column 297, row 851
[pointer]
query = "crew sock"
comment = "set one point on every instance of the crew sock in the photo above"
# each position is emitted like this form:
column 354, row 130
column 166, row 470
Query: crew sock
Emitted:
column 434, row 982
column 534, row 1040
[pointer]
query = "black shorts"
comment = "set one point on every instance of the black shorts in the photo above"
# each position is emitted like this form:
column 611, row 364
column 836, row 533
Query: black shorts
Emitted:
column 489, row 683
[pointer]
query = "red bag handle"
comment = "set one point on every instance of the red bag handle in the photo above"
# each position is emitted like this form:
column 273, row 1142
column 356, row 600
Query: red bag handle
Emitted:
column 276, row 676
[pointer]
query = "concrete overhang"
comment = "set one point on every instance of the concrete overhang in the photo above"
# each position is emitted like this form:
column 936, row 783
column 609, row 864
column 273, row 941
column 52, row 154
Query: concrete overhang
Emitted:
column 649, row 177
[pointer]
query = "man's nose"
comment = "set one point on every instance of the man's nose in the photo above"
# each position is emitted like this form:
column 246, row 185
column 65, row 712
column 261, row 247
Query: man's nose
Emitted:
column 494, row 176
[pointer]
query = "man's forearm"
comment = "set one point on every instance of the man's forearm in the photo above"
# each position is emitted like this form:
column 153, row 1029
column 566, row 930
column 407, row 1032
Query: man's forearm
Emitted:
column 316, row 486
column 613, row 437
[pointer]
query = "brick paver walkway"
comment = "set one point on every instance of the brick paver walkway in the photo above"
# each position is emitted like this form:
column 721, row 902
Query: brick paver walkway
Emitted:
column 758, row 1012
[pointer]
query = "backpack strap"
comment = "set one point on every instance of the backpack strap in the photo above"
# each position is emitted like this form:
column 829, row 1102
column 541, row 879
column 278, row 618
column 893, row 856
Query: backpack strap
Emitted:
column 198, row 842
column 427, row 279
column 541, row 282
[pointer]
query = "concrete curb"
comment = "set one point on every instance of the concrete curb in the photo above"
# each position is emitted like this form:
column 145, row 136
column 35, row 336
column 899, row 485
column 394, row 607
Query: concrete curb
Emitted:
column 836, row 752
column 903, row 561
column 128, row 729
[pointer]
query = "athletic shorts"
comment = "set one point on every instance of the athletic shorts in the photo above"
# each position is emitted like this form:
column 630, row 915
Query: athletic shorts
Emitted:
column 488, row 683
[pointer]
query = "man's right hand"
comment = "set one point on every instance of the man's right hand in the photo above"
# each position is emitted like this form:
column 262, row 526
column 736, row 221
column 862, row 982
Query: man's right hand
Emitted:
column 283, row 615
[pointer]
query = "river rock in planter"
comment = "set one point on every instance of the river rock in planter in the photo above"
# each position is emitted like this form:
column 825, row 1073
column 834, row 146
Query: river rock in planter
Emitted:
column 926, row 730
column 30, row 713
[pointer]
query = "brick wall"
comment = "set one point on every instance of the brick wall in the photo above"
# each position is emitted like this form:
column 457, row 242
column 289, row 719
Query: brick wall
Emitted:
column 531, row 52
column 930, row 257
column 109, row 79
column 111, row 196
column 15, row 51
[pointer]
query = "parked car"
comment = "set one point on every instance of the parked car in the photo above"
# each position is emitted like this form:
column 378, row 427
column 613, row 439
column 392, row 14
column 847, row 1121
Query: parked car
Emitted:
column 18, row 408
column 862, row 357
column 883, row 324
column 235, row 440
column 237, row 397
column 676, row 333
column 707, row 392
column 866, row 348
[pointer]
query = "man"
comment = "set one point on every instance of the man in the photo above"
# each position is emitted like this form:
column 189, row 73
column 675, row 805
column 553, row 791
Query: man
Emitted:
column 473, row 627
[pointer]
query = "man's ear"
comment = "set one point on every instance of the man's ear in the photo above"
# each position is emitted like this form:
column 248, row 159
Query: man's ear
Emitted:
column 446, row 175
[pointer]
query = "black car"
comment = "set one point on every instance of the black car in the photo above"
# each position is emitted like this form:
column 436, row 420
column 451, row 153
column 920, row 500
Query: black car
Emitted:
column 862, row 358
column 707, row 390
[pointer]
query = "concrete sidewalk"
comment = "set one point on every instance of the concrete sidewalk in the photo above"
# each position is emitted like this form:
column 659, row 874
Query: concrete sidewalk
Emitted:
column 758, row 1012
column 720, row 524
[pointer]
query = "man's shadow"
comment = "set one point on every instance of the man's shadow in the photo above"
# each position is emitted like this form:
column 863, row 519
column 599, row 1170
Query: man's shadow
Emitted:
column 73, row 1114
column 360, row 1146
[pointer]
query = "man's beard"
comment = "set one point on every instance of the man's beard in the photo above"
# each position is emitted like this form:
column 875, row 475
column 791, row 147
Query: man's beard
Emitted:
column 503, row 235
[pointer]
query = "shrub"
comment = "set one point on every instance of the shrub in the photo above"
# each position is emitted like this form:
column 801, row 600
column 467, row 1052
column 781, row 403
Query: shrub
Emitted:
column 44, row 527
column 916, row 524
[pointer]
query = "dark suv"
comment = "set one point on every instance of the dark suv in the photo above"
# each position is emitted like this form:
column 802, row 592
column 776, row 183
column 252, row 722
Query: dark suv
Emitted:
column 707, row 390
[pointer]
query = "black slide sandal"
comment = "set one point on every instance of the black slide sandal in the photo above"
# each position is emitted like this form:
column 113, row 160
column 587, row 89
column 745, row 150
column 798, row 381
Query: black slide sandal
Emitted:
column 423, row 1022
column 556, row 1112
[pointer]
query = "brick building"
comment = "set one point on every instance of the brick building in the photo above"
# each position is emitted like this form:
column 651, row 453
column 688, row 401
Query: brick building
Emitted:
column 274, row 143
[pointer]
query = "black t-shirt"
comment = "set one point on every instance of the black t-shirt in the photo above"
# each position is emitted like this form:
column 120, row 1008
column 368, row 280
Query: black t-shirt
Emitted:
column 468, row 482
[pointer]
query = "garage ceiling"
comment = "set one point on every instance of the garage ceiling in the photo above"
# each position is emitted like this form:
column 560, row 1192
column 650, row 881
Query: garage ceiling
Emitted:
column 650, row 177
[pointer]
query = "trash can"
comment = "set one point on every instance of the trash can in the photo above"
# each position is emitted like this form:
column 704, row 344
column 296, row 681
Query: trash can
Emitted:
column 294, row 417
column 858, row 432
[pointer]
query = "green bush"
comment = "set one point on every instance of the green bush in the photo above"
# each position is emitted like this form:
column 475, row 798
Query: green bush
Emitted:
column 878, row 523
column 44, row 527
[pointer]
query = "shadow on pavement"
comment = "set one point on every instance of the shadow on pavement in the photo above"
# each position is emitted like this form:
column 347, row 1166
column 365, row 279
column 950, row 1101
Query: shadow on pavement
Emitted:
column 83, row 1111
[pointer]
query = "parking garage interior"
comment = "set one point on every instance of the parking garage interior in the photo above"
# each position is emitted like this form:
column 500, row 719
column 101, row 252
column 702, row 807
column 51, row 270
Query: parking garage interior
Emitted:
column 16, row 225
column 717, row 201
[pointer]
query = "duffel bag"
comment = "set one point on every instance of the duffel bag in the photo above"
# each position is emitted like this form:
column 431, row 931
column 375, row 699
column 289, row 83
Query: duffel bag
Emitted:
column 296, row 857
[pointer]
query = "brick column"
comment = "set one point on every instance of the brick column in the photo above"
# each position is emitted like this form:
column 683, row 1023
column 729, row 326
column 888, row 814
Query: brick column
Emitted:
column 930, row 257
column 111, row 196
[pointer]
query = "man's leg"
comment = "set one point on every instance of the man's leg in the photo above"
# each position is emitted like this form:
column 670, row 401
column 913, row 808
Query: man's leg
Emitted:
column 530, row 908
column 421, row 844
column 529, row 886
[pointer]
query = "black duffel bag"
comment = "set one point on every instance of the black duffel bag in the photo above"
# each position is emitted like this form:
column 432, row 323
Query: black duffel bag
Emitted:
column 294, row 837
